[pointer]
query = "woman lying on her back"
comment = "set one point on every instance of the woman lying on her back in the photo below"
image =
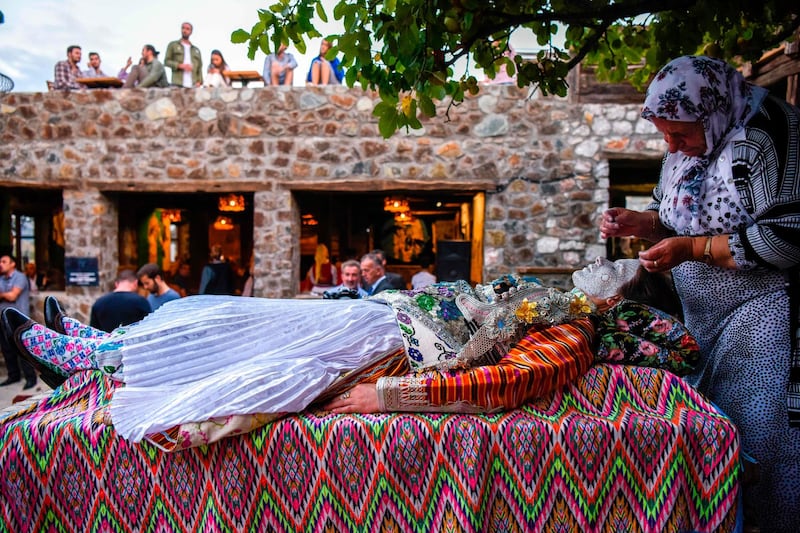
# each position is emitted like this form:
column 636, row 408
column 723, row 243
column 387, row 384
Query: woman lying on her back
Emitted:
column 447, row 347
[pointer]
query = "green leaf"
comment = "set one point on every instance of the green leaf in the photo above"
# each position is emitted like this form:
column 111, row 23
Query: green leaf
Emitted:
column 251, row 48
column 389, row 95
column 350, row 76
column 426, row 105
column 339, row 9
column 381, row 108
column 321, row 12
column 263, row 43
column 469, row 18
column 240, row 36
column 387, row 124
column 438, row 92
column 258, row 28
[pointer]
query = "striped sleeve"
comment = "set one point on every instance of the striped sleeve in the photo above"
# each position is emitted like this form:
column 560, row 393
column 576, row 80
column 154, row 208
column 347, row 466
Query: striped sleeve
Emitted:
column 543, row 361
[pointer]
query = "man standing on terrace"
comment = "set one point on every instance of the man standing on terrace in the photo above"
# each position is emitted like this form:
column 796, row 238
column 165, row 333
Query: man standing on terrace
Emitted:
column 184, row 59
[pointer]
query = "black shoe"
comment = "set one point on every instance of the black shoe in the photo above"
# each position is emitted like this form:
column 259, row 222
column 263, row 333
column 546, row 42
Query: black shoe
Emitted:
column 13, row 323
column 9, row 382
column 53, row 313
column 29, row 384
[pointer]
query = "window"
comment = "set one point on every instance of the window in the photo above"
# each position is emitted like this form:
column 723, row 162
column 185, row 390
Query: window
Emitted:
column 23, row 238
column 33, row 231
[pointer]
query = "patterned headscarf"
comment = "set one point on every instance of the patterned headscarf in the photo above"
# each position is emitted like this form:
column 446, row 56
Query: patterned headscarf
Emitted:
column 698, row 88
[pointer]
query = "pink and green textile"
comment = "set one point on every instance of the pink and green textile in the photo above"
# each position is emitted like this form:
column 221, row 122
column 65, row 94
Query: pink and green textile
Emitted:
column 621, row 449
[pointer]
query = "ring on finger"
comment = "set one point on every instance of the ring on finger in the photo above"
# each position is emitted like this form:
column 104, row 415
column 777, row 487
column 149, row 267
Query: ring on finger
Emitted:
column 655, row 264
column 345, row 396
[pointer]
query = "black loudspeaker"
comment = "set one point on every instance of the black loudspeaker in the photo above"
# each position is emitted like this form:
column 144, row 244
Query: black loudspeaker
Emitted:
column 452, row 260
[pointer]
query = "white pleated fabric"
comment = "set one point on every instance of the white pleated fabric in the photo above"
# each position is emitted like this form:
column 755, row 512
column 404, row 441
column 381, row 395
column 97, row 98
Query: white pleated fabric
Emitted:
column 209, row 356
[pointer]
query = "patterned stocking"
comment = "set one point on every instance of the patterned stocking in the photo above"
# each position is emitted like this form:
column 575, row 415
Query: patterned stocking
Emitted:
column 62, row 354
column 74, row 328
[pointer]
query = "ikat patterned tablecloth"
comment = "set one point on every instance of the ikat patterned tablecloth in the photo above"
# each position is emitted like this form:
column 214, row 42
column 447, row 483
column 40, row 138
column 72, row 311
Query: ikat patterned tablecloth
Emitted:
column 622, row 449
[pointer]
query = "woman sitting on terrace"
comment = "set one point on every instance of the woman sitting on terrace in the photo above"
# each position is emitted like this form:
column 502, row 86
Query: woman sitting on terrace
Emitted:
column 447, row 347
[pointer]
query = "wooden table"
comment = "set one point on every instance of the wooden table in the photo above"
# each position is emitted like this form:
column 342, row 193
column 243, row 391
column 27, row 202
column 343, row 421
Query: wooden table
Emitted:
column 243, row 76
column 100, row 83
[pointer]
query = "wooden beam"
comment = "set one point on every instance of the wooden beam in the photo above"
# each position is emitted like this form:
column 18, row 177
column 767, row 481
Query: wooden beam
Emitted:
column 780, row 68
column 793, row 89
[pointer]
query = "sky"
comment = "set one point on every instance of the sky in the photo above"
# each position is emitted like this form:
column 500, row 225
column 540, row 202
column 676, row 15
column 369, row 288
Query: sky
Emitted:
column 36, row 34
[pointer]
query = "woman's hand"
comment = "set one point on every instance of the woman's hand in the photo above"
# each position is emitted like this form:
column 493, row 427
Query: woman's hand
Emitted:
column 621, row 222
column 362, row 398
column 666, row 254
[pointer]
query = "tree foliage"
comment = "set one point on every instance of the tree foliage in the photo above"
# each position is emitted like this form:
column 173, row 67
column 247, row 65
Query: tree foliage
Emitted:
column 407, row 49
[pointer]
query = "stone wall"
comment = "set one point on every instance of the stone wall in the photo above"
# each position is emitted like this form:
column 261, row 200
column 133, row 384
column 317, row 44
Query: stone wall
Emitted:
column 542, row 162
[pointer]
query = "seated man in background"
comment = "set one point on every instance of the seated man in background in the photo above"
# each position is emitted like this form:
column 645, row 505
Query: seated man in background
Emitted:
column 149, row 74
column 424, row 276
column 182, row 279
column 67, row 72
column 279, row 67
column 94, row 67
column 123, row 306
column 351, row 282
column 395, row 280
column 151, row 278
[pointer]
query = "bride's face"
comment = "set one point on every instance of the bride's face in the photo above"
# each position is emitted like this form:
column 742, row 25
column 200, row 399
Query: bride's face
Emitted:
column 603, row 278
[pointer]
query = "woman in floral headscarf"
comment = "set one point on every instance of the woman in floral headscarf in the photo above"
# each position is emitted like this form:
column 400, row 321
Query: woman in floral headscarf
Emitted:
column 726, row 221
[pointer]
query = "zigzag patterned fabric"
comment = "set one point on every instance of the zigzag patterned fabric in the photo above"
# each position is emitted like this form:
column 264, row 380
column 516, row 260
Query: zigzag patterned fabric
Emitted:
column 621, row 449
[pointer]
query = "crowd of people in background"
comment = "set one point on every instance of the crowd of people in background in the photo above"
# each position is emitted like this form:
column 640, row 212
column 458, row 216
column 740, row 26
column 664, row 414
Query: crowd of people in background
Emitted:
column 185, row 61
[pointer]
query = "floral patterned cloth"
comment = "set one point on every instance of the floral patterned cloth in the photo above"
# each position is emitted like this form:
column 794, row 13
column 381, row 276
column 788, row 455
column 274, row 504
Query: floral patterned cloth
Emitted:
column 432, row 326
column 636, row 334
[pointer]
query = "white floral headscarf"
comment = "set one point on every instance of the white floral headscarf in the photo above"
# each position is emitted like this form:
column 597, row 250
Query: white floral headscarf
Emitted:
column 698, row 88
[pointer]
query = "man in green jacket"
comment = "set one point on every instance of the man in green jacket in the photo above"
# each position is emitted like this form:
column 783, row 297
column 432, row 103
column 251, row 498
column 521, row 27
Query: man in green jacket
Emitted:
column 149, row 74
column 184, row 59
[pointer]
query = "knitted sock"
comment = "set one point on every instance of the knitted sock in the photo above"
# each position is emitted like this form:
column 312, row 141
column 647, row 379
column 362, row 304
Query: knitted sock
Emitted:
column 74, row 328
column 61, row 353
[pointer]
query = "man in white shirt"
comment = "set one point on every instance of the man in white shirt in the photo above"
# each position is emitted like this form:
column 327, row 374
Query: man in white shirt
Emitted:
column 184, row 59
column 424, row 277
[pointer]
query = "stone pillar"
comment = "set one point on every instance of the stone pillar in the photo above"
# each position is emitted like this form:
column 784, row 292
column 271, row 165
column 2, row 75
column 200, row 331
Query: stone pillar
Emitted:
column 276, row 245
column 91, row 229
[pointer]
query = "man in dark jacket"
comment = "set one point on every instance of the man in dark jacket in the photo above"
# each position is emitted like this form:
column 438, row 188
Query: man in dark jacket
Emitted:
column 120, row 307
column 374, row 276
column 217, row 276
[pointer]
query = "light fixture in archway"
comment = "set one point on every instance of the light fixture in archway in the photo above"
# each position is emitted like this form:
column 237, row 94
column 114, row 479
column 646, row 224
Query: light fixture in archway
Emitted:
column 395, row 204
column 223, row 223
column 403, row 219
column 232, row 203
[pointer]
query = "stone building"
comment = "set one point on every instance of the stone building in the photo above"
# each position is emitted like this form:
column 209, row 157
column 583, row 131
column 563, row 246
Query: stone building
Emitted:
column 505, row 182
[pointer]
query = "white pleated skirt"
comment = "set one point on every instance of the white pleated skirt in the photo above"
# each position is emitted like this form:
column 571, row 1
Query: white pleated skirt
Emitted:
column 208, row 356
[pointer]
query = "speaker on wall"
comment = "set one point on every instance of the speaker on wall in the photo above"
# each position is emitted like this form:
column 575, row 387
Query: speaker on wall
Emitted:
column 452, row 260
